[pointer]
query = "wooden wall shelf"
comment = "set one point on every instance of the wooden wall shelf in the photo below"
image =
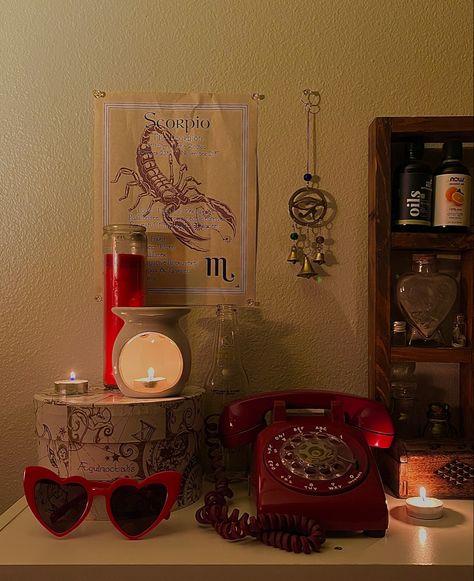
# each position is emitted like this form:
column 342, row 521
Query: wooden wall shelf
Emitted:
column 432, row 241
column 385, row 246
column 432, row 355
column 433, row 129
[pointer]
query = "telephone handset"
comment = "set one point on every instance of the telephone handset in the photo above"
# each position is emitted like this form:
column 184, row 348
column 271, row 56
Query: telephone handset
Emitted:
column 316, row 465
column 243, row 419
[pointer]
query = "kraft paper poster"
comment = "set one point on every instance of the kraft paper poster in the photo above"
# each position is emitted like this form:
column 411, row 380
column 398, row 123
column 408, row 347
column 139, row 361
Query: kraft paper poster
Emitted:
column 184, row 166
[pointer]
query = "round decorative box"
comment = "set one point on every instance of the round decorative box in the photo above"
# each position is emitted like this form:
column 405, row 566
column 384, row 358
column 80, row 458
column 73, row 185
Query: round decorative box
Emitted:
column 103, row 435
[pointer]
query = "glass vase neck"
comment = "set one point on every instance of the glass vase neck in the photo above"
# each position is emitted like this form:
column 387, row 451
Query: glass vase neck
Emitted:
column 226, row 311
column 124, row 229
column 424, row 264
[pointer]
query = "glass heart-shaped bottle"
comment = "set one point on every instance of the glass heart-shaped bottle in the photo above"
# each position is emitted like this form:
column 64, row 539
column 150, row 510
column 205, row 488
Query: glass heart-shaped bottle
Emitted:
column 426, row 297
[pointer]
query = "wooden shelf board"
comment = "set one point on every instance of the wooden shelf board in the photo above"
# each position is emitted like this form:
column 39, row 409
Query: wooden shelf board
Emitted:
column 432, row 354
column 433, row 128
column 432, row 241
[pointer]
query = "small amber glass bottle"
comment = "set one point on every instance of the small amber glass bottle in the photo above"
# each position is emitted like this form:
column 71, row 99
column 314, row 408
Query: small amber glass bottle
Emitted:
column 399, row 334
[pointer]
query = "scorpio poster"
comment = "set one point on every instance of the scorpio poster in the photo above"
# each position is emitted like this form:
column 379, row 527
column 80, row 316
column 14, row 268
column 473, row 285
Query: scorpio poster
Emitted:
column 185, row 167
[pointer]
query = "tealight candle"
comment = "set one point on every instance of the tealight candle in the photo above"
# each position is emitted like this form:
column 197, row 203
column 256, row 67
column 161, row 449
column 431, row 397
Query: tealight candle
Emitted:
column 423, row 507
column 71, row 386
column 149, row 381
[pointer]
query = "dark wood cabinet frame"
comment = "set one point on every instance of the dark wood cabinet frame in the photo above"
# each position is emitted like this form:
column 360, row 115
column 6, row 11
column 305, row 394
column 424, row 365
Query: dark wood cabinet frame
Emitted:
column 383, row 133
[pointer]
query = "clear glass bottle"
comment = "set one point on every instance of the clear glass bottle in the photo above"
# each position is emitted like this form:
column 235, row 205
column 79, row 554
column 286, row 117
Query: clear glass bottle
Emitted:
column 125, row 250
column 426, row 297
column 458, row 338
column 399, row 334
column 226, row 381
column 403, row 390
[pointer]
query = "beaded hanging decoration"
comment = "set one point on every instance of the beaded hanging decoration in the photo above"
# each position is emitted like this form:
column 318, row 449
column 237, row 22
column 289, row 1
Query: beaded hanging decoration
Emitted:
column 308, row 205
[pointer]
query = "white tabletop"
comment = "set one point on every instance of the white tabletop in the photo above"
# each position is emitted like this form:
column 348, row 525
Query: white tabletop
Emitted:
column 180, row 549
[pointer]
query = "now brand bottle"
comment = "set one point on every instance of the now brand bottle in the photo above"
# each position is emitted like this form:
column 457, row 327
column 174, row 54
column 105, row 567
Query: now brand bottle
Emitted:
column 452, row 209
column 412, row 189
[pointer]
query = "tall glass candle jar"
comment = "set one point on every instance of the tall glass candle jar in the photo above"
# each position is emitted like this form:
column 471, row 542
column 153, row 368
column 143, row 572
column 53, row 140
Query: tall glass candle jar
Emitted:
column 125, row 249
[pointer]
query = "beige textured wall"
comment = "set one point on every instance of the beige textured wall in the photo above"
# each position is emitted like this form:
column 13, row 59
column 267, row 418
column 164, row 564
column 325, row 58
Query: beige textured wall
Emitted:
column 367, row 57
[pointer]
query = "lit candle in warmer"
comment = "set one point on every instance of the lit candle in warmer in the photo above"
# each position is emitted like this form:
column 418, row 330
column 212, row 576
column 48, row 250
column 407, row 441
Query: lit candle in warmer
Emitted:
column 149, row 381
column 71, row 386
column 424, row 507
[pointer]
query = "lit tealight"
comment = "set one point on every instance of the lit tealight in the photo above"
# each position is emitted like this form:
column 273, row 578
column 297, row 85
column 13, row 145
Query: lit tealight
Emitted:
column 424, row 507
column 71, row 386
column 149, row 381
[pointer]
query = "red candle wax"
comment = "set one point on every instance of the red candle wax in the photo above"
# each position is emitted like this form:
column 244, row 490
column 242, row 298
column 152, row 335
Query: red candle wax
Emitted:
column 124, row 286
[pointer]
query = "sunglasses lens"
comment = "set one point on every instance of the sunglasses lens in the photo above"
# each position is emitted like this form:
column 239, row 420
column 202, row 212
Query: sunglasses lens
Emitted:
column 136, row 509
column 60, row 505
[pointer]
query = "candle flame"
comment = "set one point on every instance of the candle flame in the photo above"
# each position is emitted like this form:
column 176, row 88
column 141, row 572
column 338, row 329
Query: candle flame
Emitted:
column 72, row 376
column 423, row 493
column 151, row 373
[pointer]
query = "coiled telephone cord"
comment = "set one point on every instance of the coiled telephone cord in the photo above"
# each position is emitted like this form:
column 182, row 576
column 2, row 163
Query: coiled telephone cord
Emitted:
column 297, row 534
column 213, row 446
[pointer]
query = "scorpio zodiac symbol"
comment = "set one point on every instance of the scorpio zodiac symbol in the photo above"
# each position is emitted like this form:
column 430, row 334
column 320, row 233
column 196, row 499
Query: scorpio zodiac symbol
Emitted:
column 174, row 193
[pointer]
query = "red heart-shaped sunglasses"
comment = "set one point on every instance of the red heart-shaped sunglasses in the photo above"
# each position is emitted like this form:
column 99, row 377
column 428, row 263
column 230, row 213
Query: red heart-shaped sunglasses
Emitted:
column 134, row 507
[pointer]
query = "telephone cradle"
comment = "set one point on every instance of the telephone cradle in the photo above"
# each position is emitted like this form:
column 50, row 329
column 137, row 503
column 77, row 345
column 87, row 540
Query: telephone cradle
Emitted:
column 318, row 465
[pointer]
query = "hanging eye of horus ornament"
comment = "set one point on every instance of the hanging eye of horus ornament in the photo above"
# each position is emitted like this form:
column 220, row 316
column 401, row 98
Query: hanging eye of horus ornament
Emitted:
column 307, row 207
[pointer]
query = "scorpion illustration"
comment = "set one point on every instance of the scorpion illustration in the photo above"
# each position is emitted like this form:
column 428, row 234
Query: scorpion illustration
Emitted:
column 171, row 192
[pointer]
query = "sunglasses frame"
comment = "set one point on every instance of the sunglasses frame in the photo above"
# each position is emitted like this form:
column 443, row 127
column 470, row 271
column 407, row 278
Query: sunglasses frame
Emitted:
column 171, row 480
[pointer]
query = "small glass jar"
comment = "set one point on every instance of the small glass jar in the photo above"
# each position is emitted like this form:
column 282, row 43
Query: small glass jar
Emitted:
column 403, row 389
column 125, row 250
column 399, row 334
column 458, row 338
column 438, row 423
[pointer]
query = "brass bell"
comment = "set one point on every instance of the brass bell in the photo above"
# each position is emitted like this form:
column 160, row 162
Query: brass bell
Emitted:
column 319, row 258
column 293, row 256
column 307, row 270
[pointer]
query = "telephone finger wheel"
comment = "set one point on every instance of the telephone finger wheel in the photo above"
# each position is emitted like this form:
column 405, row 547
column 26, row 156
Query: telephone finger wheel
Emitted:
column 316, row 461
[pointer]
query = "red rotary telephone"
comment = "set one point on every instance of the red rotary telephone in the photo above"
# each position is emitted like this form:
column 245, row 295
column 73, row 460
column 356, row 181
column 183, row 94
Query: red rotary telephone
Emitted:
column 317, row 465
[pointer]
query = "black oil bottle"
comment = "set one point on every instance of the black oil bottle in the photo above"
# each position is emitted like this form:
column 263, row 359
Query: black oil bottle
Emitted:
column 412, row 191
column 452, row 207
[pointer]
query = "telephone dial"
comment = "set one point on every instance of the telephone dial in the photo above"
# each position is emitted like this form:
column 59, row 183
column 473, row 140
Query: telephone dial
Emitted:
column 317, row 465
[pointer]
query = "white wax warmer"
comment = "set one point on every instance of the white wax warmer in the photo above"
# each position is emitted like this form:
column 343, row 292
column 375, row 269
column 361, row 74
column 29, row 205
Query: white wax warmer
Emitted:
column 151, row 355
